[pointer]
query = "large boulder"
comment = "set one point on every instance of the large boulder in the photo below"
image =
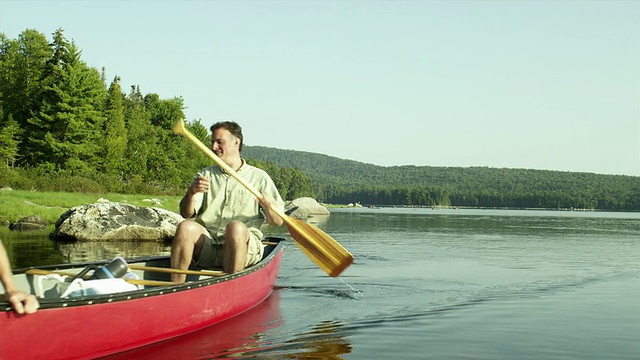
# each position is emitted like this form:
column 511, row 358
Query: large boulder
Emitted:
column 111, row 221
column 307, row 207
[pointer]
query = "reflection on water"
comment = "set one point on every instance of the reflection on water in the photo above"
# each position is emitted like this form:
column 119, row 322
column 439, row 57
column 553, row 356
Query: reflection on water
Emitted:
column 92, row 251
column 27, row 249
column 30, row 248
column 318, row 220
column 254, row 334
column 234, row 338
column 324, row 341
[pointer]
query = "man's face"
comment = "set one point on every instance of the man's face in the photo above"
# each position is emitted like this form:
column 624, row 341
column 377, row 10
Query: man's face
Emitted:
column 225, row 145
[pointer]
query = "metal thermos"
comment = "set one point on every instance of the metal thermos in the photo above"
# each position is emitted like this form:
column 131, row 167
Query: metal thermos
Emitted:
column 115, row 269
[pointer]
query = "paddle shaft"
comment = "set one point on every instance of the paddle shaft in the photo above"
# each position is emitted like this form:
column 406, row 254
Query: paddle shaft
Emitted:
column 180, row 129
column 131, row 281
column 177, row 271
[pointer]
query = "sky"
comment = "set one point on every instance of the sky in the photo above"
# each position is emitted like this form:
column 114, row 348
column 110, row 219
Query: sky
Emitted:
column 551, row 85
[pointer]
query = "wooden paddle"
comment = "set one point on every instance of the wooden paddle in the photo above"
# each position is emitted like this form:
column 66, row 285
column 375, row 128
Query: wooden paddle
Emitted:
column 130, row 281
column 323, row 250
column 177, row 271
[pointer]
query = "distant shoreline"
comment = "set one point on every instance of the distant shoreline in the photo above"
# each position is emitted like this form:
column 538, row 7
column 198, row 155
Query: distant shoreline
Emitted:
column 441, row 207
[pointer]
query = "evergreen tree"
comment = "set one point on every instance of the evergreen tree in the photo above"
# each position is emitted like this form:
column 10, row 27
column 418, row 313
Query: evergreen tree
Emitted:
column 115, row 132
column 9, row 132
column 138, row 123
column 299, row 184
column 66, row 132
column 166, row 158
column 164, row 113
column 21, row 65
column 167, row 153
column 200, row 131
column 194, row 159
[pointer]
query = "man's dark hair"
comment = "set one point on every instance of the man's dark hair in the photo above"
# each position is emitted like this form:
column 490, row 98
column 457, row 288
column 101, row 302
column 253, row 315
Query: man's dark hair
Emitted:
column 230, row 126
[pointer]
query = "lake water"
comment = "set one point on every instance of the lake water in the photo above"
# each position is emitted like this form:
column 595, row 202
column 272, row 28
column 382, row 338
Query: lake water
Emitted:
column 443, row 284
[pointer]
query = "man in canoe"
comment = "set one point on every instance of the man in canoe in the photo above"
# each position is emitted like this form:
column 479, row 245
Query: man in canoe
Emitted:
column 223, row 219
column 21, row 302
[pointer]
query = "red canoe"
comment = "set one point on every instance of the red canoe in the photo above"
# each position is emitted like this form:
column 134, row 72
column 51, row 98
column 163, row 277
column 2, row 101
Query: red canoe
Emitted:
column 90, row 326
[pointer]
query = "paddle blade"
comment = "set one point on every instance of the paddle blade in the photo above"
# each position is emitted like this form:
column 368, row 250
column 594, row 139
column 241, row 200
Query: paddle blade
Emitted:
column 323, row 250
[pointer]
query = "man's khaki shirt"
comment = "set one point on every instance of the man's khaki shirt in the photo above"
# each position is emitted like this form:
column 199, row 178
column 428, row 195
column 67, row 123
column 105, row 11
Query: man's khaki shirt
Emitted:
column 228, row 200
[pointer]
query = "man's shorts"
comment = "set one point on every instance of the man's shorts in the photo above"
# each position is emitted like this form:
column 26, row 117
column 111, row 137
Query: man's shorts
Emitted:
column 211, row 254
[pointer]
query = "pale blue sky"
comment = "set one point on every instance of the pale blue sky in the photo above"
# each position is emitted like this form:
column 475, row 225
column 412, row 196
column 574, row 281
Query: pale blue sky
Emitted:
column 540, row 84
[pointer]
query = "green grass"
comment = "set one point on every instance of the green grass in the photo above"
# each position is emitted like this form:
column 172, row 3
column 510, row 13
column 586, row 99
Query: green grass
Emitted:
column 17, row 204
column 329, row 206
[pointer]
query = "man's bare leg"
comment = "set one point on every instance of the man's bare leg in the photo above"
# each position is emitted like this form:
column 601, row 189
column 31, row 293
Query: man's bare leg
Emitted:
column 187, row 242
column 236, row 243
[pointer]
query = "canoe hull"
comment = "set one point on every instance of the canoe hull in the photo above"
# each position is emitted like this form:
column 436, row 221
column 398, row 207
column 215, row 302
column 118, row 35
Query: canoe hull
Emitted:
column 88, row 329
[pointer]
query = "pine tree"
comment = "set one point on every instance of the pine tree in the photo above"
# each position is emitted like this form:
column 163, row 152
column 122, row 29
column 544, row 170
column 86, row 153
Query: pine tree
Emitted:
column 9, row 132
column 115, row 143
column 138, row 124
column 66, row 132
column 21, row 65
column 167, row 152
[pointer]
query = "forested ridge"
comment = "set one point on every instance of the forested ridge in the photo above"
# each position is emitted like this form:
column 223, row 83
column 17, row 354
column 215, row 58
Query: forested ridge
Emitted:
column 65, row 127
column 347, row 181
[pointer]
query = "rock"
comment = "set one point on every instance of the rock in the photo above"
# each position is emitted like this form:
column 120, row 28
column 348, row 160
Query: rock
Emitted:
column 114, row 221
column 6, row 188
column 29, row 223
column 307, row 207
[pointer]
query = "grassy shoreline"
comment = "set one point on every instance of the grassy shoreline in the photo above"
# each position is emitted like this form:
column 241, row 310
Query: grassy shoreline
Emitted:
column 17, row 204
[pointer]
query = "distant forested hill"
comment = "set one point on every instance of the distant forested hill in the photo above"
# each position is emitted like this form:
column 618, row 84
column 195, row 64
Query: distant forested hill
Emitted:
column 344, row 181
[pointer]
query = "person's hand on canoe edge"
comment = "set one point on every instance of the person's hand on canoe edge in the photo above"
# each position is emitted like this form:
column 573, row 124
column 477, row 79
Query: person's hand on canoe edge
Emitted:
column 22, row 303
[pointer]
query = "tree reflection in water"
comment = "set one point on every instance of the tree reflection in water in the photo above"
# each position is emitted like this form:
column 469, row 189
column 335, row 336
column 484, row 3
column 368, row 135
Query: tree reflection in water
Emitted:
column 325, row 341
column 254, row 334
column 82, row 251
column 233, row 338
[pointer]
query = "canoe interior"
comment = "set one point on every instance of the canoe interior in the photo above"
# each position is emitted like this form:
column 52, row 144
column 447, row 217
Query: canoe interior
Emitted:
column 49, row 289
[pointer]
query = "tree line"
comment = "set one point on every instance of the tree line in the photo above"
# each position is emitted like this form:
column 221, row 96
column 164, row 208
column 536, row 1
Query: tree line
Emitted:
column 62, row 127
column 347, row 181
